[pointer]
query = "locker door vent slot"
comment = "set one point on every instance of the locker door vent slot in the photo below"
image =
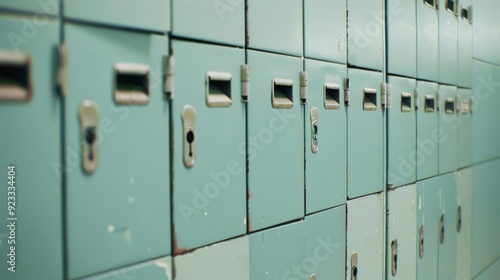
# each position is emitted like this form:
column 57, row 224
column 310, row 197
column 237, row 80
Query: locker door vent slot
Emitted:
column 15, row 76
column 429, row 105
column 218, row 89
column 282, row 93
column 449, row 106
column 331, row 96
column 131, row 84
column 405, row 102
column 369, row 99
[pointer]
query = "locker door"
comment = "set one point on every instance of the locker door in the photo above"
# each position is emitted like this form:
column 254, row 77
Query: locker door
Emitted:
column 464, row 224
column 448, row 129
column 325, row 137
column 159, row 269
column 448, row 41
column 448, row 219
column 117, row 132
column 465, row 44
column 427, row 130
column 209, row 187
column 402, row 37
column 41, row 9
column 464, row 127
column 427, row 40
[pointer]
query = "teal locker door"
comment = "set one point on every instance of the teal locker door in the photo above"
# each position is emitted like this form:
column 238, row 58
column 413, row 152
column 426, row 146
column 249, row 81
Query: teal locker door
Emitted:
column 402, row 37
column 275, row 141
column 448, row 218
column 365, row 33
column 464, row 124
column 278, row 253
column 365, row 134
column 325, row 30
column 325, row 137
column 464, row 225
column 275, row 26
column 365, row 238
column 448, row 129
column 325, row 245
column 448, row 41
column 216, row 21
column 158, row 269
column 427, row 130
column 151, row 15
column 30, row 113
column 402, row 157
column 465, row 44
column 41, row 9
column 427, row 40
column 427, row 231
column 401, row 222
column 209, row 185
column 117, row 131
column 228, row 260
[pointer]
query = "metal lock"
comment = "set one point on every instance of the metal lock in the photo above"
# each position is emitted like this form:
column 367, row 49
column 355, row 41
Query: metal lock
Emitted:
column 89, row 118
column 394, row 250
column 188, row 120
column 314, row 129
column 459, row 219
column 421, row 241
column 441, row 231
column 354, row 266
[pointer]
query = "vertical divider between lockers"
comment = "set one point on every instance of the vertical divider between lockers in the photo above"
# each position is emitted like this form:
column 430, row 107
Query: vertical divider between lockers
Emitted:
column 246, row 119
column 304, row 183
column 385, row 133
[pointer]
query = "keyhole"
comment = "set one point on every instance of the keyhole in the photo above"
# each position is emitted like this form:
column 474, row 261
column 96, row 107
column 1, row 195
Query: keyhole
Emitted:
column 354, row 271
column 395, row 261
column 90, row 137
column 190, row 139
column 315, row 129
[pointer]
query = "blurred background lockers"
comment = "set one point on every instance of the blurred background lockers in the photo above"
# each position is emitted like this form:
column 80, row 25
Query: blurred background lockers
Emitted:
column 251, row 139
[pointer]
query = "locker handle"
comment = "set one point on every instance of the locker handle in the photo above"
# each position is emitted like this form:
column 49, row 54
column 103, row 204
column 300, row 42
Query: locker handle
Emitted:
column 331, row 96
column 394, row 259
column 449, row 106
column 466, row 14
column 15, row 76
column 188, row 121
column 369, row 99
column 421, row 241
column 430, row 3
column 89, row 118
column 405, row 102
column 282, row 93
column 441, row 227
column 131, row 84
column 429, row 106
column 218, row 89
column 314, row 130
column 354, row 266
column 451, row 6
column 459, row 219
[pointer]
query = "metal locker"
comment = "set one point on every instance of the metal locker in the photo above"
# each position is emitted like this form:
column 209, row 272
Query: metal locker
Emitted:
column 209, row 185
column 448, row 41
column 427, row 40
column 401, row 259
column 464, row 123
column 275, row 26
column 228, row 260
column 365, row 33
column 221, row 21
column 30, row 154
column 491, row 272
column 485, row 17
column 325, row 136
column 325, row 30
column 427, row 130
column 365, row 238
column 402, row 156
column 365, row 148
column 402, row 37
column 448, row 129
column 150, row 15
column 427, row 232
column 158, row 269
column 117, row 133
column 448, row 226
column 464, row 224
column 278, row 253
column 41, row 9
column 275, row 141
column 465, row 44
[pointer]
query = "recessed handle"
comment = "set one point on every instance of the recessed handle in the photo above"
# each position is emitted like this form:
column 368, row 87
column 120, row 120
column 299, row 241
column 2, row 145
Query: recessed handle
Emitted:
column 282, row 93
column 331, row 96
column 314, row 129
column 459, row 219
column 394, row 259
column 449, row 106
column 369, row 99
column 421, row 241
column 15, row 76
column 131, row 84
column 189, row 120
column 429, row 104
column 466, row 14
column 89, row 118
column 354, row 266
column 451, row 6
column 441, row 229
column 218, row 89
column 405, row 102
column 430, row 3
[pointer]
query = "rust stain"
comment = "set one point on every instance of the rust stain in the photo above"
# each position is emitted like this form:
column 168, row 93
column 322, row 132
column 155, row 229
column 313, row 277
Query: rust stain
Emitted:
column 249, row 224
column 177, row 250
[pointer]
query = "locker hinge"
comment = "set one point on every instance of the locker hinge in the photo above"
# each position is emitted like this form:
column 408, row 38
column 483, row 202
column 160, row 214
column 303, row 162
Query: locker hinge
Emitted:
column 61, row 70
column 386, row 95
column 303, row 87
column 347, row 93
column 245, row 83
column 416, row 99
column 168, row 76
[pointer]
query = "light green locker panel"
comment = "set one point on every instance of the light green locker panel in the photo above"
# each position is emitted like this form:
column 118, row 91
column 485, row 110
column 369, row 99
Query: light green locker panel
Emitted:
column 30, row 113
column 402, row 158
column 427, row 231
column 275, row 26
column 491, row 273
column 465, row 43
column 159, row 269
column 40, row 8
column 402, row 37
column 325, row 30
column 365, row 238
column 485, row 97
column 427, row 130
column 448, row 222
column 325, row 137
column 448, row 129
column 448, row 41
column 401, row 259
column 220, row 21
column 275, row 141
column 365, row 33
column 209, row 185
column 278, row 253
column 228, row 260
column 427, row 40
column 485, row 213
column 464, row 224
column 485, row 17
column 365, row 134
column 464, row 127
column 117, row 134
column 150, row 15
column 325, row 245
